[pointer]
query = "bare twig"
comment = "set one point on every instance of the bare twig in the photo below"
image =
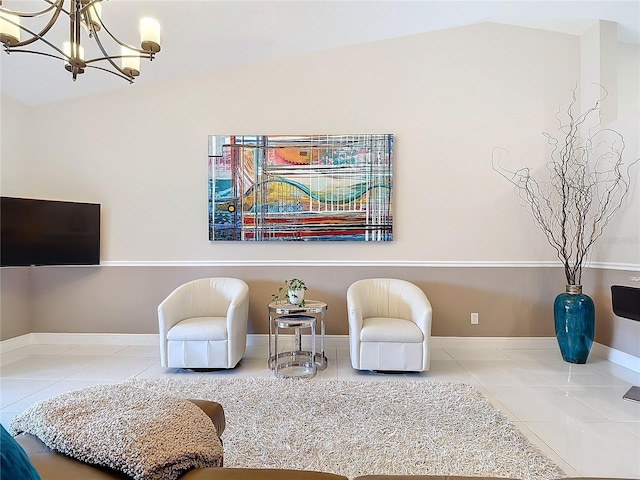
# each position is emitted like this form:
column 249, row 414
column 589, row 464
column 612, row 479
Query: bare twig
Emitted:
column 586, row 186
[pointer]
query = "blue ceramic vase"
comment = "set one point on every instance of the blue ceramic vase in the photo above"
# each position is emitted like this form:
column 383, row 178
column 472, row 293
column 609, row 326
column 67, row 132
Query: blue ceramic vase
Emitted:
column 574, row 316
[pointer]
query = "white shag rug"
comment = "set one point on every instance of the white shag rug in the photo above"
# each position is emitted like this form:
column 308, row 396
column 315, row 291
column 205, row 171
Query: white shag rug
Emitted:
column 364, row 428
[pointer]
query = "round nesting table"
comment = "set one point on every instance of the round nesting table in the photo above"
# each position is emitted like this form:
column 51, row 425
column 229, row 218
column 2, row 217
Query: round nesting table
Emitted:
column 280, row 312
column 295, row 363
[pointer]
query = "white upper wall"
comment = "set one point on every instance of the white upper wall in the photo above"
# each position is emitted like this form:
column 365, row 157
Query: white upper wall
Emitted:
column 448, row 97
column 16, row 145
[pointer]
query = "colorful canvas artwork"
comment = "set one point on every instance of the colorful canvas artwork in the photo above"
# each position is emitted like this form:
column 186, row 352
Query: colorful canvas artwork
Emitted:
column 301, row 188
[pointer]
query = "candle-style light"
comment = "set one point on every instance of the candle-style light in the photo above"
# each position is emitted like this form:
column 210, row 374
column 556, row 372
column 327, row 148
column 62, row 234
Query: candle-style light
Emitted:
column 150, row 35
column 130, row 61
column 9, row 28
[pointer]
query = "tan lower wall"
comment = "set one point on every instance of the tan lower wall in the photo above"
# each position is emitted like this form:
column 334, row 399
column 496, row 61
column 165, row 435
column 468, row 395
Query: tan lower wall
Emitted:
column 15, row 315
column 510, row 301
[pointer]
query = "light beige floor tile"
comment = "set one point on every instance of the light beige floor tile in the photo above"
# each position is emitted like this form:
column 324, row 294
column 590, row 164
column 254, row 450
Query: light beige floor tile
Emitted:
column 156, row 371
column 6, row 416
column 368, row 376
column 152, row 351
column 539, row 355
column 50, row 349
column 593, row 449
column 346, row 374
column 536, row 403
column 248, row 367
column 61, row 386
column 95, row 350
column 45, row 349
column 11, row 357
column 608, row 402
column 259, row 351
column 343, row 356
column 497, row 404
column 546, row 449
column 541, row 367
column 500, row 372
column 13, row 390
column 476, row 354
column 29, row 350
column 615, row 371
column 440, row 354
column 49, row 367
column 331, row 370
column 445, row 371
column 632, row 427
column 584, row 378
column 113, row 368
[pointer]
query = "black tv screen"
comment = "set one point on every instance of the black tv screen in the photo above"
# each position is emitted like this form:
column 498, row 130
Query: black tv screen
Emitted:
column 48, row 232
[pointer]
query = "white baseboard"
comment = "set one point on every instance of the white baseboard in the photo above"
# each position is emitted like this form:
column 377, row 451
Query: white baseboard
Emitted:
column 617, row 357
column 95, row 338
column 531, row 343
column 331, row 341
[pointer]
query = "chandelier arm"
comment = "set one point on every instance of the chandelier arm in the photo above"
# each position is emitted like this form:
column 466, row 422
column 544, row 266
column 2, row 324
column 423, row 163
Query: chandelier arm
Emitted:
column 119, row 42
column 45, row 29
column 45, row 54
column 13, row 48
column 124, row 76
column 107, row 57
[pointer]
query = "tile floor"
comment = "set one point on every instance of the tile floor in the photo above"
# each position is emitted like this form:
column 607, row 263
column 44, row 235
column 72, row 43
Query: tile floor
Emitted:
column 574, row 413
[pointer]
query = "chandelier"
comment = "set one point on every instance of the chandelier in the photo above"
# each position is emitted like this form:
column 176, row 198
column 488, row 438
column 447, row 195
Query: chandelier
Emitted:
column 81, row 15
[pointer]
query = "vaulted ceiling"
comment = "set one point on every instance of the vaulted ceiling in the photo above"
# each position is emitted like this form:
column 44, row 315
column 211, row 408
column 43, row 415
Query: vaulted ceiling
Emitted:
column 205, row 35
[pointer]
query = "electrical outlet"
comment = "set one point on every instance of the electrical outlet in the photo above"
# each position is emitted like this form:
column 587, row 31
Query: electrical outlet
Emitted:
column 474, row 319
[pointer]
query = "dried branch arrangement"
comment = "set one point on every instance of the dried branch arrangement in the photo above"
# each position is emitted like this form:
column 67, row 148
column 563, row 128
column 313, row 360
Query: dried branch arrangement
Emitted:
column 584, row 186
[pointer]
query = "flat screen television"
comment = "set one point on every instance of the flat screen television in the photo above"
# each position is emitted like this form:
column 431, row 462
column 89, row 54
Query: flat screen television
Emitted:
column 48, row 232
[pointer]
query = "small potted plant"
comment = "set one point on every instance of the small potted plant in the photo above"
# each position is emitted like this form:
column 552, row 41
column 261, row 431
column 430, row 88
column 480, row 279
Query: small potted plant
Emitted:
column 293, row 291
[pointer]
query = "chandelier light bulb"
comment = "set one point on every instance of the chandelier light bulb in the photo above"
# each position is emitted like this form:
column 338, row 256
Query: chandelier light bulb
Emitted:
column 76, row 56
column 130, row 61
column 9, row 33
column 150, row 35
column 73, row 51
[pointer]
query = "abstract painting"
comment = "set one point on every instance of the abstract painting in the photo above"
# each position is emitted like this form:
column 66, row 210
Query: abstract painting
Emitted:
column 301, row 187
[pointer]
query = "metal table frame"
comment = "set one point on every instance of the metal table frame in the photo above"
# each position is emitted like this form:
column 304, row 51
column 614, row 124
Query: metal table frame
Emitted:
column 297, row 362
column 311, row 307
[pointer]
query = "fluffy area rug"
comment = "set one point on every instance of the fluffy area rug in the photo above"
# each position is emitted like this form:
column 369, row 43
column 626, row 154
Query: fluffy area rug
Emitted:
column 364, row 428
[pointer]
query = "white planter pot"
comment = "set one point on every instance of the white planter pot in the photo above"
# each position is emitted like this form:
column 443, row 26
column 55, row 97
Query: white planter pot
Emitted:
column 296, row 297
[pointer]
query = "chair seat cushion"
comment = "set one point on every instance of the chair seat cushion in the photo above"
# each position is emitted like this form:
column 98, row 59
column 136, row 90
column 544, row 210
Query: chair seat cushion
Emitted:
column 199, row 328
column 383, row 329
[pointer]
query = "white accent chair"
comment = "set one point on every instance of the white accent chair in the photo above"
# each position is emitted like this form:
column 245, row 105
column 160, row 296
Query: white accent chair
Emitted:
column 389, row 325
column 203, row 324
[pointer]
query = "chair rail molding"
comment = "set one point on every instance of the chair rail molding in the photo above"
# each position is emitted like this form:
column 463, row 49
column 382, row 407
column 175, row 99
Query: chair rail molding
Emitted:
column 358, row 263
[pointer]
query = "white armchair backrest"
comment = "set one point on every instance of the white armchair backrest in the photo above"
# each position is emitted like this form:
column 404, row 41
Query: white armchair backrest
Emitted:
column 386, row 297
column 205, row 297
